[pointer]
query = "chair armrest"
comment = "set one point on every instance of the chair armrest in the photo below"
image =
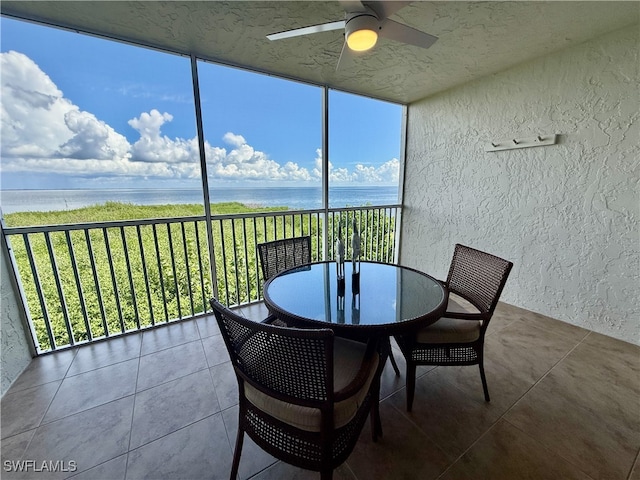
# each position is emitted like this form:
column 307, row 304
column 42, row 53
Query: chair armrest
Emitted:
column 464, row 316
column 370, row 361
column 274, row 320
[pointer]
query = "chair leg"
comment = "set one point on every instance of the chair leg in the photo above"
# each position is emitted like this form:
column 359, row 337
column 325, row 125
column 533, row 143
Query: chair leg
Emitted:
column 411, row 384
column 376, row 424
column 236, row 454
column 484, row 382
column 393, row 360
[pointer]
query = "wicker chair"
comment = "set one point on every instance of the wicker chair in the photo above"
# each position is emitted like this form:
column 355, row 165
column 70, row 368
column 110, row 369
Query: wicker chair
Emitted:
column 475, row 282
column 304, row 395
column 279, row 255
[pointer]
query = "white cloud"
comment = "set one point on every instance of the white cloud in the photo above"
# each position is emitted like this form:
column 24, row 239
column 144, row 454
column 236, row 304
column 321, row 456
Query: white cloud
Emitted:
column 245, row 162
column 33, row 110
column 233, row 139
column 44, row 132
column 153, row 147
column 388, row 172
column 317, row 170
column 92, row 138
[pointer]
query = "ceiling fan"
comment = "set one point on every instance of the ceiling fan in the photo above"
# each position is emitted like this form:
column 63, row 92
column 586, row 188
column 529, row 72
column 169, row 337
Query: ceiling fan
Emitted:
column 364, row 22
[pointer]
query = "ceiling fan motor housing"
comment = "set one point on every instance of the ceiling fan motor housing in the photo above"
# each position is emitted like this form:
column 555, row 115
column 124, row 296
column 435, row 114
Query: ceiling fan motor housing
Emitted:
column 361, row 31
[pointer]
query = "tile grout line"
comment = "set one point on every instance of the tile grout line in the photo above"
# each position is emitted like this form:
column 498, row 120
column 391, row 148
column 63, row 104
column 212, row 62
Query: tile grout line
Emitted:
column 135, row 398
column 546, row 374
column 635, row 462
column 415, row 425
column 221, row 409
column 544, row 447
column 133, row 410
column 51, row 401
column 171, row 433
column 403, row 414
column 501, row 417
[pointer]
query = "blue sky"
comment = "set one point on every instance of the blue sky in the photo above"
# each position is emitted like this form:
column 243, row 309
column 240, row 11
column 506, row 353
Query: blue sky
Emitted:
column 82, row 112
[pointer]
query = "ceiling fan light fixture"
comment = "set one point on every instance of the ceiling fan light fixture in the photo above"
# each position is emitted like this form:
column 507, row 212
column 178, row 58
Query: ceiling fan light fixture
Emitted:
column 361, row 32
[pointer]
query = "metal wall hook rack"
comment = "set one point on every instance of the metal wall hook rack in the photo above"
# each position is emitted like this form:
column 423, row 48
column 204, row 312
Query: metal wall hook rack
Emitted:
column 511, row 143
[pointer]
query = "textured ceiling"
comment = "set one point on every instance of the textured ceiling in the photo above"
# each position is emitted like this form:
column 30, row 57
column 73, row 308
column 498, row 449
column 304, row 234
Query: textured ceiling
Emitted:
column 475, row 38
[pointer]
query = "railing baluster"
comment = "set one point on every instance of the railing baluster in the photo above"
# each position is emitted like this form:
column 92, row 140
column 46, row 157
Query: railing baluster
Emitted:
column 246, row 259
column 56, row 276
column 385, row 240
column 370, row 237
column 360, row 232
column 201, row 269
column 116, row 295
column 134, row 303
column 389, row 232
column 76, row 276
column 224, row 259
column 318, row 238
column 145, row 273
column 173, row 269
column 235, row 259
column 96, row 282
column 39, row 291
column 385, row 234
column 378, row 236
column 160, row 274
column 186, row 264
column 257, row 259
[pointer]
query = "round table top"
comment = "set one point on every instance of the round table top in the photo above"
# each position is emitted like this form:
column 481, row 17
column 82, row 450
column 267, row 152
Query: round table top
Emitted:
column 382, row 296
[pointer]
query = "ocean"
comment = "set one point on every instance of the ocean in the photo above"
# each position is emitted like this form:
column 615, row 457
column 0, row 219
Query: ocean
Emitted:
column 296, row 198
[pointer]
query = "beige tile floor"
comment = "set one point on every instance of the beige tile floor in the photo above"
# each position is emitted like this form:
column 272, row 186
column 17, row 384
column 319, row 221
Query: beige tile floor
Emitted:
column 163, row 404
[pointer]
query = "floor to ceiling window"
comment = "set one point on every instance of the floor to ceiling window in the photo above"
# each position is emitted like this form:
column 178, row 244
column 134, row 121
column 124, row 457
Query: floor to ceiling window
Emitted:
column 99, row 131
column 262, row 136
column 86, row 121
column 364, row 150
column 100, row 163
column 364, row 164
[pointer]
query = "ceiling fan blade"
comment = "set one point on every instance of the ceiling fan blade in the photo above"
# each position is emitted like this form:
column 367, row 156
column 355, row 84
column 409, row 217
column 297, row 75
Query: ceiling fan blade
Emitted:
column 346, row 57
column 386, row 9
column 323, row 27
column 405, row 34
column 352, row 6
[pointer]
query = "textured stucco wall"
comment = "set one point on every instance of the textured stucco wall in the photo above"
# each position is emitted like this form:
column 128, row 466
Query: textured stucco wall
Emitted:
column 567, row 215
column 15, row 354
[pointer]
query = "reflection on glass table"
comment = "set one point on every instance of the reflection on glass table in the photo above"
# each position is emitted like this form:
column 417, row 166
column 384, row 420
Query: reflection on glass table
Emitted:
column 382, row 298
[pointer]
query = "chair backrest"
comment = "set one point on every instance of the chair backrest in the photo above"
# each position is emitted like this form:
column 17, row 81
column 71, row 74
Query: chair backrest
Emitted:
column 478, row 276
column 291, row 364
column 279, row 255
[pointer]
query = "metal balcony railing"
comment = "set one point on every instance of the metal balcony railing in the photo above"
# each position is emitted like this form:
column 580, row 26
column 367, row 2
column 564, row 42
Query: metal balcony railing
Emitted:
column 89, row 281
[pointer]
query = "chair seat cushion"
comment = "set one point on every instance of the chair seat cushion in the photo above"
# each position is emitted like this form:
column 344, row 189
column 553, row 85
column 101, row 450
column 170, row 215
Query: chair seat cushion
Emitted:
column 452, row 330
column 348, row 356
column 457, row 304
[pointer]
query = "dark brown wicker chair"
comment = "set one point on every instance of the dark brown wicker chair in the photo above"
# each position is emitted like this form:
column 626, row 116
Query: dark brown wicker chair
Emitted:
column 475, row 282
column 279, row 255
column 304, row 395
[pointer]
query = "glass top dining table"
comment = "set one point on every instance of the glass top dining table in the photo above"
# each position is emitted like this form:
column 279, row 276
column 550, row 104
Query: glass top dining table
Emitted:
column 383, row 298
